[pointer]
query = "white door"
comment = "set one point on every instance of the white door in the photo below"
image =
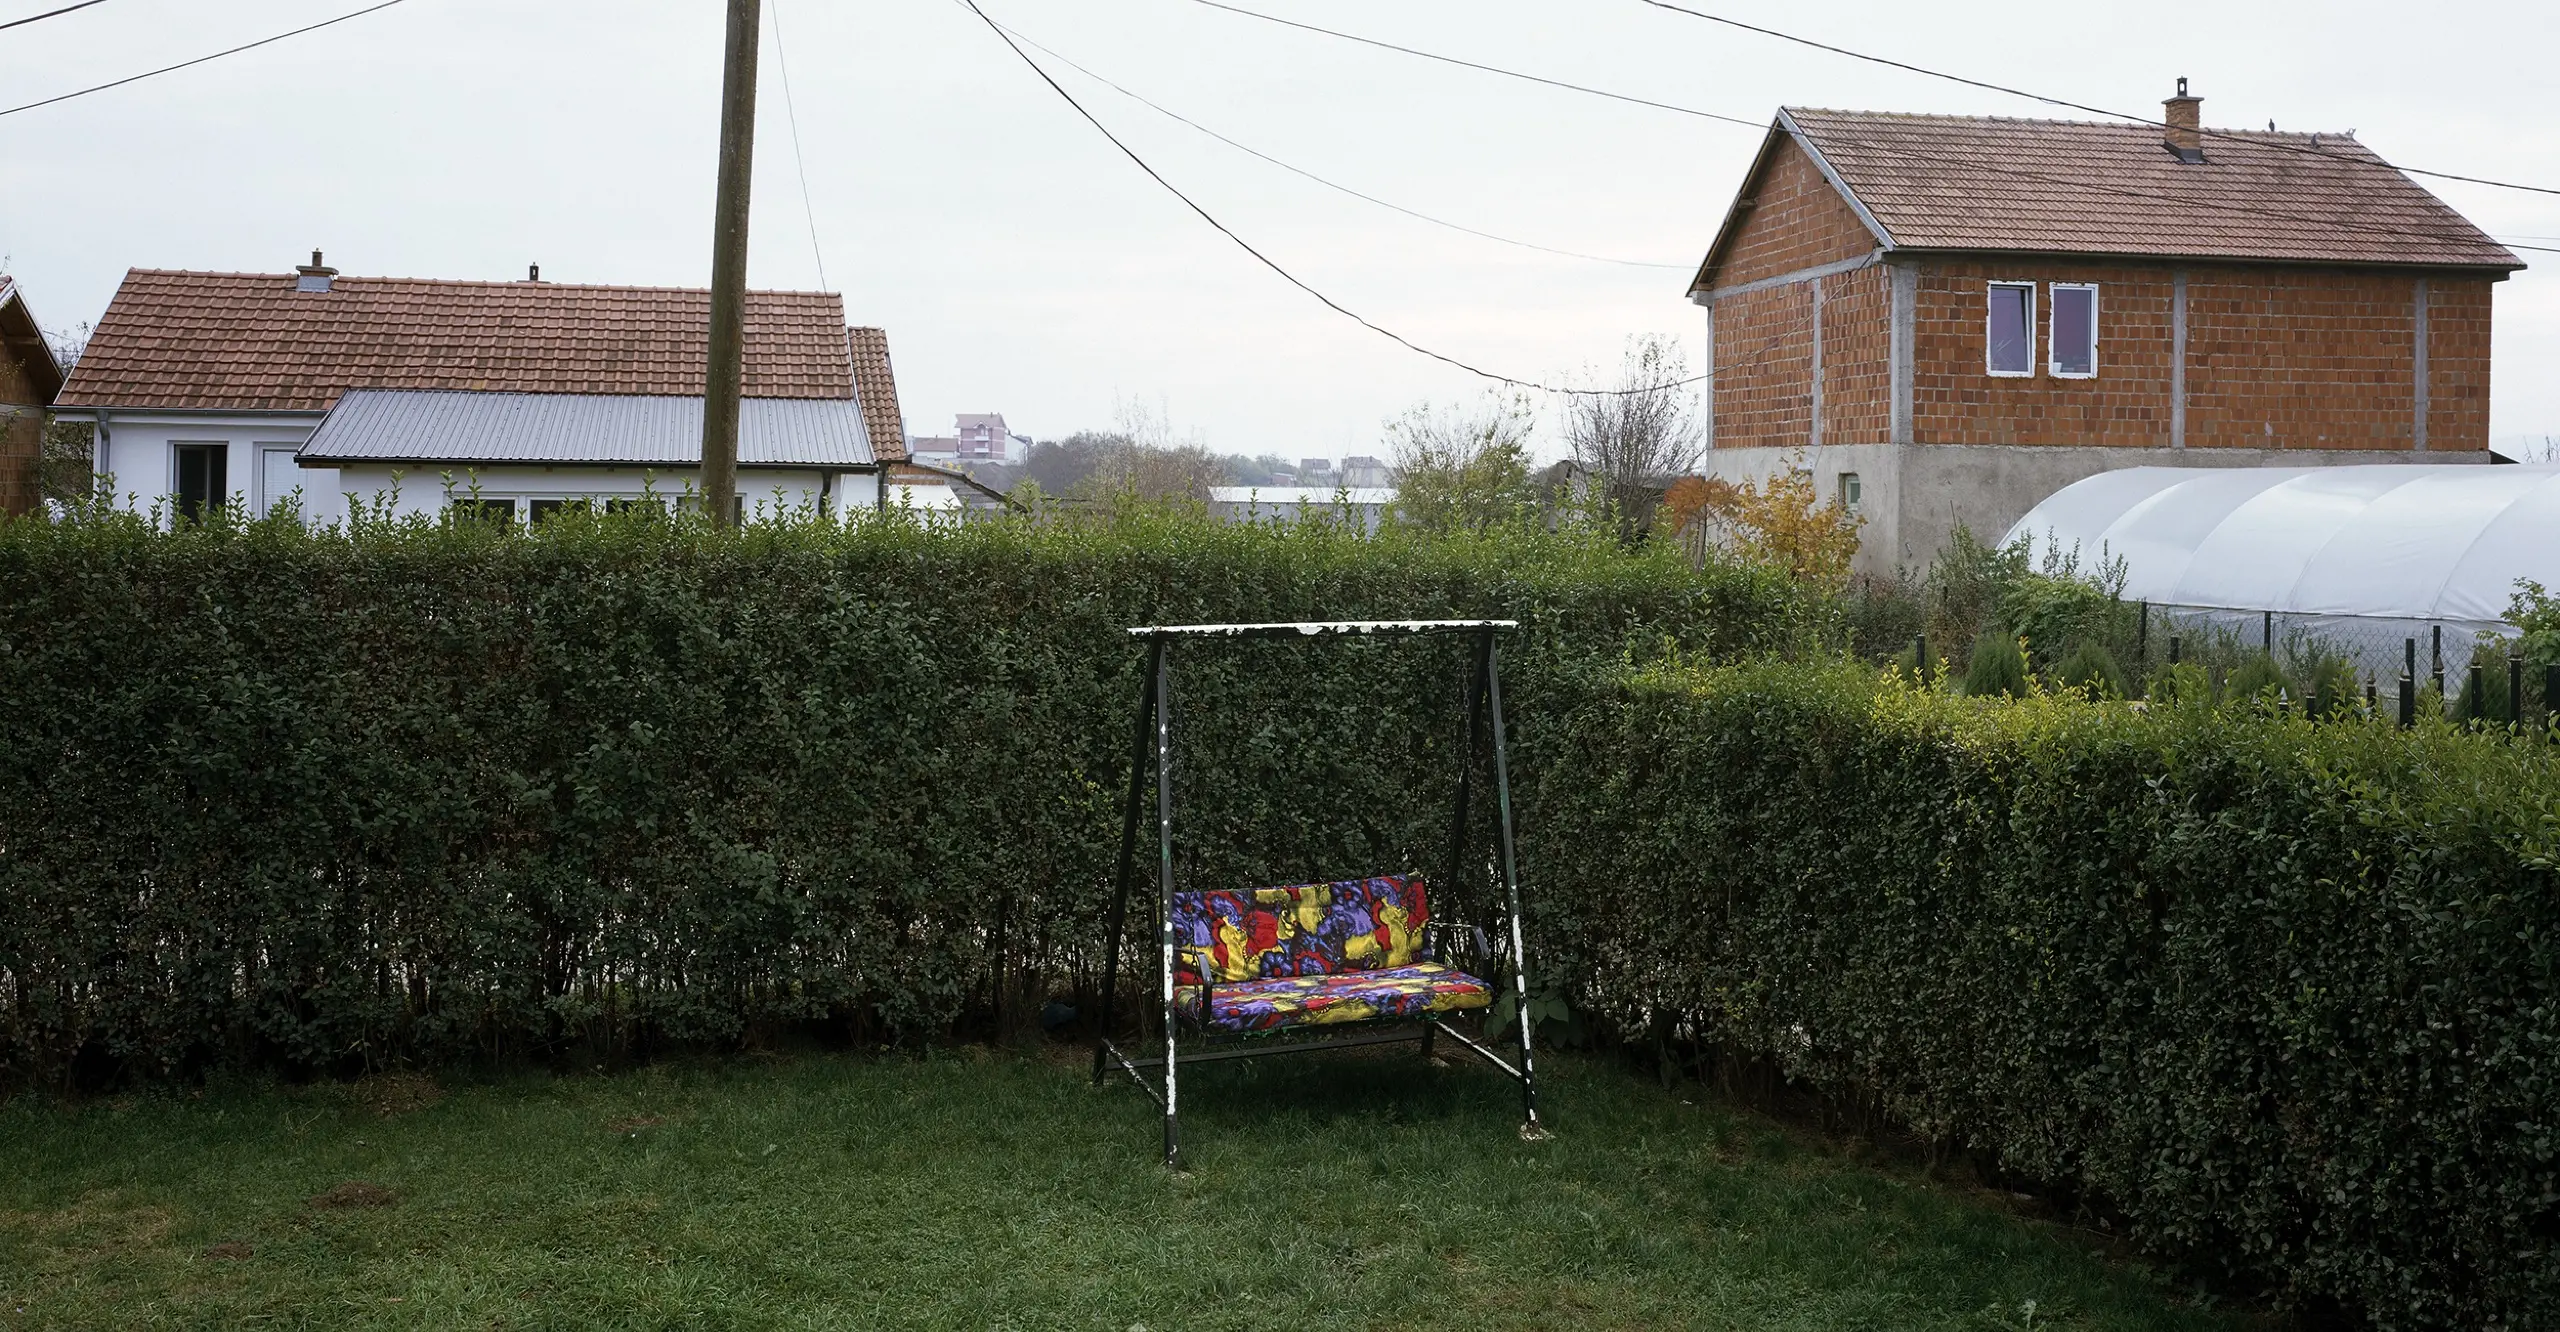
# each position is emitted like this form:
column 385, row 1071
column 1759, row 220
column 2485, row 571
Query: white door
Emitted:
column 278, row 478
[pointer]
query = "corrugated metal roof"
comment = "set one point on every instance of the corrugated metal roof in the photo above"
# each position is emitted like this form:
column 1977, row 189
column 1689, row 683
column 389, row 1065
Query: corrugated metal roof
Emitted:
column 407, row 425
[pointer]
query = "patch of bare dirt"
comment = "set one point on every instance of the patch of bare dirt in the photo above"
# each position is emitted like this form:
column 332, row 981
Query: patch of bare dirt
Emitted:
column 354, row 1193
column 229, row 1251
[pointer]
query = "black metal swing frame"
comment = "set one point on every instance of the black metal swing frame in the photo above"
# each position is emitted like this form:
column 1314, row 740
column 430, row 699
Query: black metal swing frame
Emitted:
column 1484, row 719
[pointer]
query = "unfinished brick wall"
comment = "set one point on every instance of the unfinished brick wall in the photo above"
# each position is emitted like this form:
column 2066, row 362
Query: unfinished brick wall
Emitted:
column 21, row 439
column 2277, row 358
column 1763, row 387
column 1797, row 221
column 2303, row 359
column 1956, row 400
column 2457, row 365
column 1857, row 357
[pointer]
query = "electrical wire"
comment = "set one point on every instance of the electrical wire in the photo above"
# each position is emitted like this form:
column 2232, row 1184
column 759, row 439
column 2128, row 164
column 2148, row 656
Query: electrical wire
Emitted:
column 1266, row 261
column 792, row 107
column 50, row 13
column 1169, row 113
column 2195, row 200
column 188, row 64
column 2078, row 106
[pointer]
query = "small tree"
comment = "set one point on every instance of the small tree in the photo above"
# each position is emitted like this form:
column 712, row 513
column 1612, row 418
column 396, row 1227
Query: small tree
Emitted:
column 1782, row 520
column 1641, row 432
column 1463, row 468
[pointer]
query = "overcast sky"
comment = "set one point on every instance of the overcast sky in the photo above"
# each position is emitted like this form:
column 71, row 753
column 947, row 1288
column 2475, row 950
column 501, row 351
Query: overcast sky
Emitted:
column 1021, row 265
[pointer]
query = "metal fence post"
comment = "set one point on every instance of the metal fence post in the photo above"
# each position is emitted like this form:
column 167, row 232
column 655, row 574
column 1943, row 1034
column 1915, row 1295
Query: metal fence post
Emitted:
column 2142, row 635
column 2372, row 708
column 2475, row 696
column 2267, row 633
column 2176, row 641
column 1920, row 658
column 2435, row 669
column 2408, row 699
column 2515, row 689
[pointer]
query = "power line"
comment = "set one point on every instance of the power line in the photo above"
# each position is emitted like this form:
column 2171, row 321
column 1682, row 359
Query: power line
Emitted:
column 1489, row 69
column 187, row 64
column 1267, row 262
column 790, row 106
column 2196, row 200
column 2078, row 106
column 50, row 13
column 1328, row 184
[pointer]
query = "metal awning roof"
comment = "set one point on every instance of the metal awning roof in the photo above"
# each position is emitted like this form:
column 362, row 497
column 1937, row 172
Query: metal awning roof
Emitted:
column 579, row 429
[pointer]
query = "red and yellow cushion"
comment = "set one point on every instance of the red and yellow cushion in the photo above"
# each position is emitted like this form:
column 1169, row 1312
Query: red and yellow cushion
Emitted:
column 1308, row 929
column 1349, row 996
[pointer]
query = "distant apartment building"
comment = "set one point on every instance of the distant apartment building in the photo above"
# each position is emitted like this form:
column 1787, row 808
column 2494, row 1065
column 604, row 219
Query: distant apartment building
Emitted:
column 976, row 437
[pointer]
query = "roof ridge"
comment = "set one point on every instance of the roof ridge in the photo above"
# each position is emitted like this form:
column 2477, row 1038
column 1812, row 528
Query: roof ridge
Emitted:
column 1949, row 117
column 509, row 284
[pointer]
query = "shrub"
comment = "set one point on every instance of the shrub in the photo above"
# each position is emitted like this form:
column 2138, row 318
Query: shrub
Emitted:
column 2091, row 670
column 270, row 797
column 1998, row 666
column 2258, row 679
column 2284, row 994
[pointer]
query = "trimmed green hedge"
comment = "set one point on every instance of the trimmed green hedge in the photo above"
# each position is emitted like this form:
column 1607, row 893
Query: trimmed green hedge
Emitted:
column 270, row 797
column 2287, row 995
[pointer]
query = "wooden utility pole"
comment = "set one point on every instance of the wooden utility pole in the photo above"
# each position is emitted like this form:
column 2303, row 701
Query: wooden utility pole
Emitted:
column 721, row 386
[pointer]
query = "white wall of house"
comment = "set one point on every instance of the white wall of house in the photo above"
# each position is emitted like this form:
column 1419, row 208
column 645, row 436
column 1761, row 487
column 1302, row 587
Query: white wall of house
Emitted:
column 429, row 488
column 138, row 451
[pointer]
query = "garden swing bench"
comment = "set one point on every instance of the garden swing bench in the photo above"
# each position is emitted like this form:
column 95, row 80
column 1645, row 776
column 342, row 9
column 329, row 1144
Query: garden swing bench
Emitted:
column 1246, row 968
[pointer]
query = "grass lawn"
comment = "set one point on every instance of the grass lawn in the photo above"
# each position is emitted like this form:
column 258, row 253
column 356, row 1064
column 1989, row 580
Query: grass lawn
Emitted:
column 977, row 1190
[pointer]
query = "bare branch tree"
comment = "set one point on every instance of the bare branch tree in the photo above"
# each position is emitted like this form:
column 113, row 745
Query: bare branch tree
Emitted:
column 1634, row 442
column 1466, row 467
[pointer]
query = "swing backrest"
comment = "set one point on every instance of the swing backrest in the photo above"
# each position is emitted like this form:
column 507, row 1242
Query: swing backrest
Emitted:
column 1308, row 929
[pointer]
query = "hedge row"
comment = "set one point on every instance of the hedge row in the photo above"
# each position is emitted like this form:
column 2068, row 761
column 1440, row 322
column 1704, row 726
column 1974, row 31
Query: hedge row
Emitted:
column 415, row 793
column 2288, row 995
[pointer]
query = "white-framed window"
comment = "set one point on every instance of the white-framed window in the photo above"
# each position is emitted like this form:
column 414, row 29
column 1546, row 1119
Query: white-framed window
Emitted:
column 1850, row 492
column 199, row 476
column 2009, row 330
column 2073, row 339
column 279, row 476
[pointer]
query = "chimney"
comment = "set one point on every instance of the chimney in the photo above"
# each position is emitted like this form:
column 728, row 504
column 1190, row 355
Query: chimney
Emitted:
column 314, row 277
column 533, row 273
column 2183, row 117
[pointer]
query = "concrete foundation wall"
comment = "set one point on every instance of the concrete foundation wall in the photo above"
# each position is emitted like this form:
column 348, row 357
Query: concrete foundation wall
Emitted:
column 1915, row 495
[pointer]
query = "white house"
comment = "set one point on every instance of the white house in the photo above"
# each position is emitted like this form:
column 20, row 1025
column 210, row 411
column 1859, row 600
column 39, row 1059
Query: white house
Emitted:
column 255, row 388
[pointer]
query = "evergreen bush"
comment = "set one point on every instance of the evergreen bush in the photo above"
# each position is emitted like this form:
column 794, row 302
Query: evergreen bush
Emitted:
column 1996, row 667
column 2283, row 995
column 2091, row 670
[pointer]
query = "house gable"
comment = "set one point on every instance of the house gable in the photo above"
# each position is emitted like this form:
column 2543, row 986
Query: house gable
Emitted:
column 1789, row 216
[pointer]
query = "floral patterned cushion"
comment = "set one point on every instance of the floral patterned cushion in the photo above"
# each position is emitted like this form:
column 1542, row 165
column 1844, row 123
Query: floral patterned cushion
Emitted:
column 1350, row 996
column 1308, row 929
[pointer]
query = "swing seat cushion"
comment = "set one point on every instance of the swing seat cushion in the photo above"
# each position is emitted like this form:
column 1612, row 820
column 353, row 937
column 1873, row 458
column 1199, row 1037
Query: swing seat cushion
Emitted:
column 1348, row 996
column 1307, row 929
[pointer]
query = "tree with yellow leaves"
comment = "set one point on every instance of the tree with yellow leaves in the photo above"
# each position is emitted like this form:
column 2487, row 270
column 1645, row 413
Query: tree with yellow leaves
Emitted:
column 1781, row 520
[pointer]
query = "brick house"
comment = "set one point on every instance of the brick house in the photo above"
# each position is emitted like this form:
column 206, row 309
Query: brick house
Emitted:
column 1948, row 318
column 29, row 379
column 249, row 388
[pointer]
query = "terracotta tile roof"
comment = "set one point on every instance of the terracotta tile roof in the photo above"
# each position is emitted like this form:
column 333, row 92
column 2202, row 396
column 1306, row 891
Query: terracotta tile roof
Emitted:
column 2071, row 187
column 877, row 389
column 250, row 341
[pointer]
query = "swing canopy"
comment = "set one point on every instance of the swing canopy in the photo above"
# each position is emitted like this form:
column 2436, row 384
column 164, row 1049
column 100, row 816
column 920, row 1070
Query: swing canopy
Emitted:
column 1248, row 970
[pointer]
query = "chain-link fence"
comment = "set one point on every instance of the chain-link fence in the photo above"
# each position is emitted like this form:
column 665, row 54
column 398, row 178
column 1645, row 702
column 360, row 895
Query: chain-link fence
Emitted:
column 2469, row 669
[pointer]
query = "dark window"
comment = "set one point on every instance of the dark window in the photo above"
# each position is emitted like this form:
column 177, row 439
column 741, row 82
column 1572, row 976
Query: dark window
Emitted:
column 647, row 507
column 2011, row 329
column 546, row 509
column 201, row 481
column 2075, row 330
column 500, row 513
